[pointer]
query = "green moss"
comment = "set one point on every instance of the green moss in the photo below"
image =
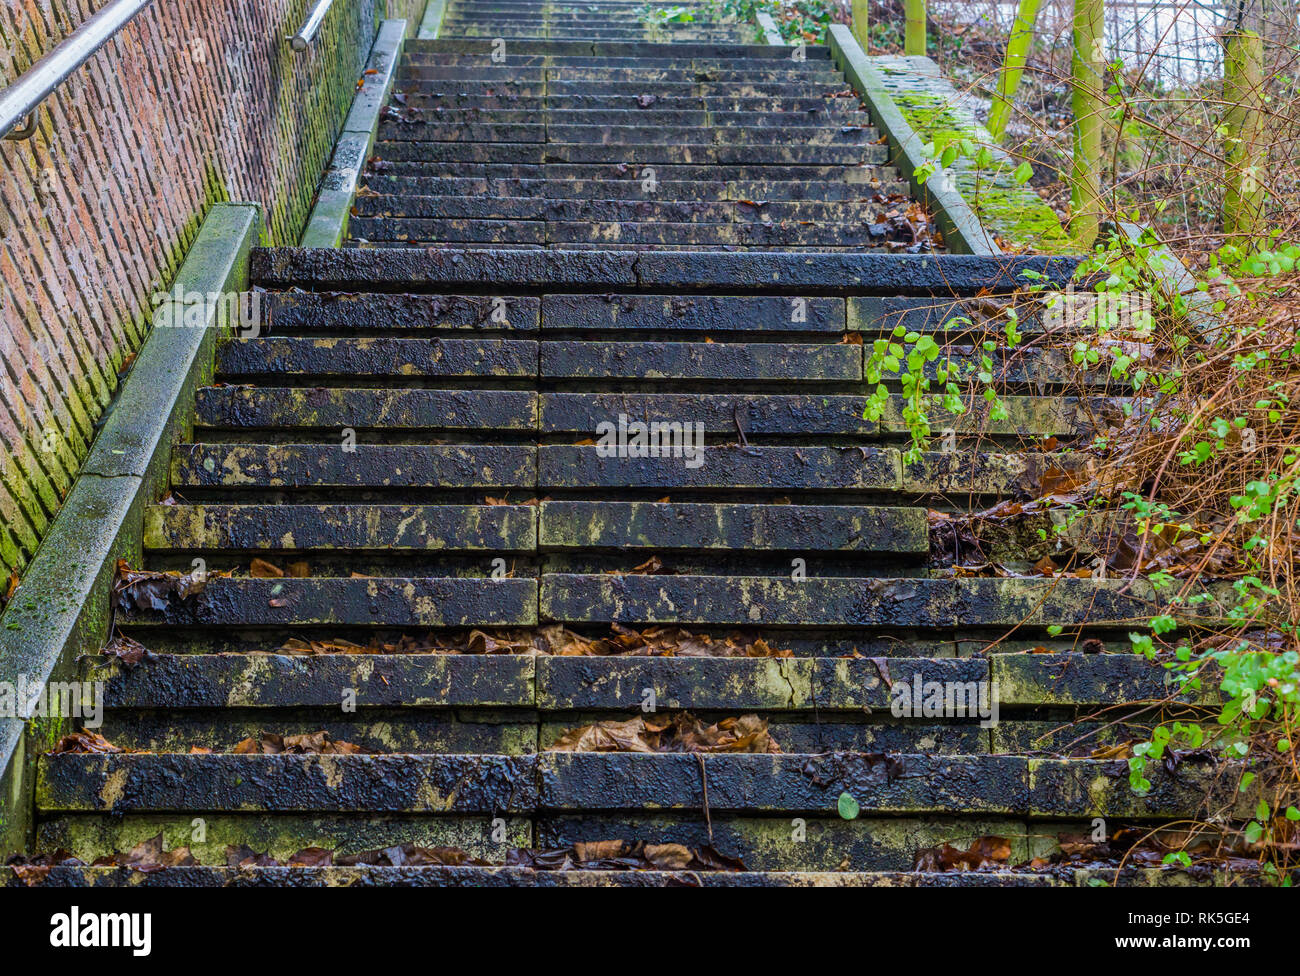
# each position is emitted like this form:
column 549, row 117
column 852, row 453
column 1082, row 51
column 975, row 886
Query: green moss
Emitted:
column 1013, row 213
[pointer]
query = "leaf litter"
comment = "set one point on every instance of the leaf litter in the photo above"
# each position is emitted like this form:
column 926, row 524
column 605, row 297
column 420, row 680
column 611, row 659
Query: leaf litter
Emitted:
column 606, row 855
column 682, row 732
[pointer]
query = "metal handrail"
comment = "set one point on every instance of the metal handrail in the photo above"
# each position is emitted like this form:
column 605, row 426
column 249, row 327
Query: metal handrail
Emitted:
column 311, row 26
column 24, row 96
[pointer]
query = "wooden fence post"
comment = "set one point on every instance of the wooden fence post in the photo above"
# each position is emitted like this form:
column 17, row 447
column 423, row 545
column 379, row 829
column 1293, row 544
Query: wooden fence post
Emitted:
column 1089, row 105
column 914, row 33
column 1022, row 36
column 861, row 21
column 1243, row 80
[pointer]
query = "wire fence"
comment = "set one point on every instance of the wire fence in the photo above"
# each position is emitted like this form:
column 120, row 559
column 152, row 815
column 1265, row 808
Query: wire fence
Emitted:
column 1174, row 42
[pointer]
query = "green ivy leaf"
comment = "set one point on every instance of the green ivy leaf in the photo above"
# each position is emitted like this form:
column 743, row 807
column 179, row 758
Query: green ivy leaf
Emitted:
column 848, row 807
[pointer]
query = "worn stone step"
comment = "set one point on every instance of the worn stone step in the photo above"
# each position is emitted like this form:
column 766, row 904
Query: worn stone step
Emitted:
column 842, row 602
column 451, row 784
column 612, row 685
column 332, row 409
column 850, row 175
column 814, row 730
column 364, row 602
column 1026, row 474
column 466, row 730
column 444, row 784
column 567, row 91
column 961, row 318
column 806, row 468
column 807, row 233
column 737, row 361
column 811, row 73
column 450, row 230
column 1027, row 417
column 757, row 415
column 512, row 33
column 276, row 681
column 767, row 685
column 692, row 313
column 702, row 133
column 808, row 78
column 382, row 356
column 726, row 468
column 1082, row 679
column 509, row 107
column 559, row 62
column 673, row 190
column 825, row 416
column 599, row 271
column 308, row 528
column 783, row 784
column 299, row 311
column 284, row 833
column 663, row 526
column 634, row 154
column 495, row 466
column 601, row 48
column 1035, row 368
column 419, row 130
column 825, row 843
column 664, row 114
column 656, row 207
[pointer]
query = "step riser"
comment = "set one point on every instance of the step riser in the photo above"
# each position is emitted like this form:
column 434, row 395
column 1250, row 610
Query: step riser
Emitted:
column 615, row 189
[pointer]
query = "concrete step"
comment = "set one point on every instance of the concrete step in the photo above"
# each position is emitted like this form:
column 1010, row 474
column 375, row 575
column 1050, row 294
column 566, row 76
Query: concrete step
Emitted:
column 658, row 208
column 506, row 102
column 367, row 602
column 441, row 466
column 312, row 528
column 735, row 191
column 753, row 785
column 857, row 236
column 859, row 176
column 304, row 356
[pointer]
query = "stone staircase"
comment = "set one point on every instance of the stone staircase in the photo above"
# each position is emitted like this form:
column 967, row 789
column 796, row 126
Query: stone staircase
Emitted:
column 610, row 144
column 606, row 20
column 418, row 539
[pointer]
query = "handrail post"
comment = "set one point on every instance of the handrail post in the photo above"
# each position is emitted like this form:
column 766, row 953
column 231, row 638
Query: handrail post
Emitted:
column 23, row 97
column 311, row 26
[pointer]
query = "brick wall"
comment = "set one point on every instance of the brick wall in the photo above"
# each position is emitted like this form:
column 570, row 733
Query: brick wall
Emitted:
column 196, row 101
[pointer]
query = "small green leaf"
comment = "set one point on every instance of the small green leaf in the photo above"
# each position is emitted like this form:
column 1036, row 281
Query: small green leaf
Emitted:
column 848, row 807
